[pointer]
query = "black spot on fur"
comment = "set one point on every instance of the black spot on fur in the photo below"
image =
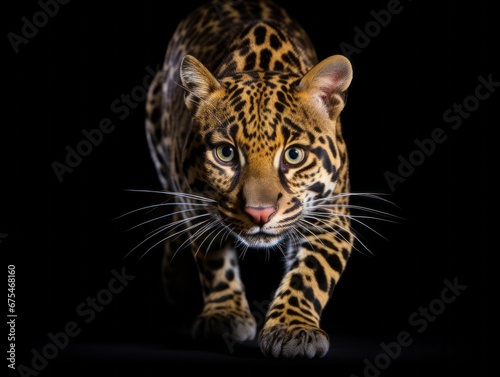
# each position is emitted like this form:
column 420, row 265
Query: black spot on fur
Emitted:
column 275, row 42
column 229, row 275
column 332, row 147
column 265, row 59
column 317, row 187
column 260, row 35
column 322, row 154
column 281, row 96
column 319, row 273
column 250, row 61
column 278, row 66
column 279, row 107
column 239, row 106
column 220, row 287
column 296, row 282
column 223, row 298
column 293, row 301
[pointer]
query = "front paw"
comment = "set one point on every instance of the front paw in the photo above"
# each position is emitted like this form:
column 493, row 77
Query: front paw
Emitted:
column 230, row 325
column 299, row 341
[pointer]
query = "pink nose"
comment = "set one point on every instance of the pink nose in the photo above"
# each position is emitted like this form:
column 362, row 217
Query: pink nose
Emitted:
column 260, row 215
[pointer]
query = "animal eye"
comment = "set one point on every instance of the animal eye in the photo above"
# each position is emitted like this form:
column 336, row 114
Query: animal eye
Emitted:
column 294, row 155
column 225, row 153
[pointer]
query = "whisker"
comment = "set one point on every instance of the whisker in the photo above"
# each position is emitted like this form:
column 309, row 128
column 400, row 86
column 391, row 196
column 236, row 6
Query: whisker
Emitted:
column 221, row 229
column 168, row 204
column 292, row 233
column 322, row 217
column 226, row 235
column 240, row 244
column 199, row 232
column 173, row 235
column 177, row 223
column 302, row 236
column 350, row 231
column 202, row 224
column 376, row 196
column 173, row 225
column 160, row 217
column 356, row 219
column 175, row 194
column 350, row 216
column 360, row 208
column 282, row 246
column 322, row 209
column 301, row 221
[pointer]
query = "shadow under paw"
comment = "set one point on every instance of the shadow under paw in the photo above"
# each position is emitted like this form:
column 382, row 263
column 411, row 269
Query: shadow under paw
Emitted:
column 224, row 327
column 281, row 341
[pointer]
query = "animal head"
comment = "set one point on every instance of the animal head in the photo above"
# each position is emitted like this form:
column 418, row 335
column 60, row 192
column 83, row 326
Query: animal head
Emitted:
column 264, row 145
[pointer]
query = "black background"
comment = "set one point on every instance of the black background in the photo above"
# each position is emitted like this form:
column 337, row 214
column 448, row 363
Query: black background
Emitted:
column 65, row 239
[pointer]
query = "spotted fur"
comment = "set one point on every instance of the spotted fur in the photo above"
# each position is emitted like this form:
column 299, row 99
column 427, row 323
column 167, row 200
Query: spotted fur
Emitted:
column 243, row 124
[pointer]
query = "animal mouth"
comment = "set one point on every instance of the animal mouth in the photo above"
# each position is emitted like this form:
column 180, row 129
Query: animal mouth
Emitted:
column 254, row 237
column 261, row 239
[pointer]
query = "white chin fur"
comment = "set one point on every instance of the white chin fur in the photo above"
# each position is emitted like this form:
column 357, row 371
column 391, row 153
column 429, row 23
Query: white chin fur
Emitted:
column 259, row 241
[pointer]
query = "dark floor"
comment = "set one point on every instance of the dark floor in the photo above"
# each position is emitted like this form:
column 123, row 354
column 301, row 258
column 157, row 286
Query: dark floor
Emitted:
column 347, row 357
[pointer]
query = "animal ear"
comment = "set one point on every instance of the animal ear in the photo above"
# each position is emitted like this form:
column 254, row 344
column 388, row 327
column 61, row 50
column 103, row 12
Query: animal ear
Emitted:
column 197, row 80
column 327, row 83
